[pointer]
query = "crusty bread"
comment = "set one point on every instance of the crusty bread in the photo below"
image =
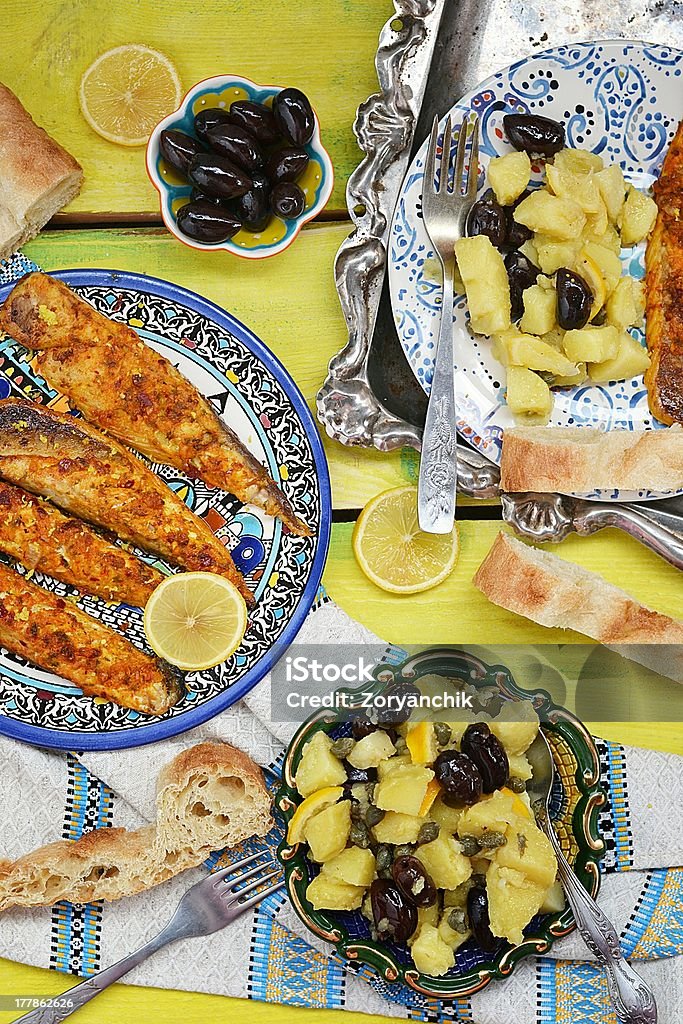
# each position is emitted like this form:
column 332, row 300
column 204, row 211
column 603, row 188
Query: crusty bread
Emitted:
column 583, row 458
column 209, row 797
column 37, row 176
column 557, row 593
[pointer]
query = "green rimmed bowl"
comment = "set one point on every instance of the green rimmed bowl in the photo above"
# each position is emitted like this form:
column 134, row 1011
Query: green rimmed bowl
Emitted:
column 576, row 800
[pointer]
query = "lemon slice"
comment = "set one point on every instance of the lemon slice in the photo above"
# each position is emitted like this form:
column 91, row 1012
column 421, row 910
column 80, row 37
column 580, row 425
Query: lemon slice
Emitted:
column 127, row 91
column 392, row 550
column 312, row 805
column 195, row 620
column 421, row 743
column 593, row 276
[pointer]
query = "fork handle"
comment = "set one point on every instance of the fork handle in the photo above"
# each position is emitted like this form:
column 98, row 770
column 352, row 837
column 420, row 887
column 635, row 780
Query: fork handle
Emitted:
column 74, row 998
column 436, row 498
column 632, row 999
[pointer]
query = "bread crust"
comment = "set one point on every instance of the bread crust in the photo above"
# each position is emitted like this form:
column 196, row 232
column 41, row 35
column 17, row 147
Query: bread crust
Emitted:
column 557, row 593
column 38, row 176
column 584, row 458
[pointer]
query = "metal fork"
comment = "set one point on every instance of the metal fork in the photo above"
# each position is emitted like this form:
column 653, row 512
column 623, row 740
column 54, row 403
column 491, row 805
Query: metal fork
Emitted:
column 445, row 215
column 205, row 908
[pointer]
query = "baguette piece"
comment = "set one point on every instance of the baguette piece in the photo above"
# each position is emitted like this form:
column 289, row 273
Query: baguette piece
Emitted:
column 557, row 593
column 209, row 797
column 37, row 176
column 583, row 458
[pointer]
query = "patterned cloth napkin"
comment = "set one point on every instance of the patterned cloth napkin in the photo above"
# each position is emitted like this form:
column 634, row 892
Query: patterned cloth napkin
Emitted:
column 267, row 954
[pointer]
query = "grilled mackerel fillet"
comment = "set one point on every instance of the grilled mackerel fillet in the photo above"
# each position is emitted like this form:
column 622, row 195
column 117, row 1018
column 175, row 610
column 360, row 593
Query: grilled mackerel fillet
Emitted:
column 126, row 388
column 93, row 477
column 41, row 537
column 664, row 282
column 57, row 636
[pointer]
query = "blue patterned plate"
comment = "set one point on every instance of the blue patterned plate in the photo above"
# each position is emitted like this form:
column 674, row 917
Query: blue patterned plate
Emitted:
column 619, row 99
column 259, row 400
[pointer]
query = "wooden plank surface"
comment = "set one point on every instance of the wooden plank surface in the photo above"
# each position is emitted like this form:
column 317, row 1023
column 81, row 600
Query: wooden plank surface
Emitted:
column 48, row 44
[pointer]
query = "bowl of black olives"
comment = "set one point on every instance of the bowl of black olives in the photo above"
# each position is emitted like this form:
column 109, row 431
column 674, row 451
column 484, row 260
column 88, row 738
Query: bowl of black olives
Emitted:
column 239, row 167
column 400, row 828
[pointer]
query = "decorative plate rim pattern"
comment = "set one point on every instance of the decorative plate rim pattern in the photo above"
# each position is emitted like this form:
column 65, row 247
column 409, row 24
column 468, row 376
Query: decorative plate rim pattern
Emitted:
column 165, row 190
column 587, row 847
column 186, row 718
column 617, row 122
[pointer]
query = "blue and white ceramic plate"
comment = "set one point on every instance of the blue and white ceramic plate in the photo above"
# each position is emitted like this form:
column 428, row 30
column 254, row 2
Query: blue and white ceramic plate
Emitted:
column 256, row 396
column 620, row 99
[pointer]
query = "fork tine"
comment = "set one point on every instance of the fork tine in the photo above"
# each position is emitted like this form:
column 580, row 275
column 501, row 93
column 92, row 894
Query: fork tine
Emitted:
column 460, row 157
column 232, row 882
column 473, row 170
column 445, row 157
column 220, row 876
column 430, row 165
column 237, row 893
column 261, row 895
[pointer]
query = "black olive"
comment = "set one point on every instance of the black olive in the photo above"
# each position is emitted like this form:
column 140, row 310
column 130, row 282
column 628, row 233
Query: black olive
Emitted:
column 256, row 118
column 252, row 208
column 198, row 196
column 362, row 726
column 218, row 176
column 516, row 234
column 459, row 777
column 534, row 134
column 287, row 164
column 355, row 775
column 395, row 918
column 480, row 923
column 205, row 120
column 237, row 144
column 487, row 217
column 179, row 149
column 399, row 697
column 488, row 753
column 574, row 300
column 294, row 116
column 522, row 273
column 413, row 881
column 287, row 200
column 206, row 222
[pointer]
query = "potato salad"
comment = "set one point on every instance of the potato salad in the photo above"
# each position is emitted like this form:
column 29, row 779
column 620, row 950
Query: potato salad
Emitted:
column 426, row 827
column 541, row 267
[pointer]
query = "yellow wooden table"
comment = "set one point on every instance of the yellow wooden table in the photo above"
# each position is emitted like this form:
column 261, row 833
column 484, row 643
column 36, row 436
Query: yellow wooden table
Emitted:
column 290, row 302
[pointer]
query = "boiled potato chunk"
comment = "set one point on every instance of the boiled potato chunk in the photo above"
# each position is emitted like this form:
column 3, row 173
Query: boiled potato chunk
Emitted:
column 606, row 261
column 551, row 254
column 486, row 284
column 526, row 350
column 318, row 767
column 370, row 750
column 626, row 305
column 327, row 833
column 390, row 763
column 457, row 897
column 582, row 188
column 449, row 935
column 445, row 862
column 554, row 900
column 518, row 729
column 509, row 176
column 637, row 217
column 539, row 310
column 491, row 813
column 528, row 850
column 555, row 216
column 597, row 223
column 353, row 866
column 574, row 379
column 327, row 893
column 519, row 767
column 578, row 161
column 513, row 901
column 630, row 360
column 446, row 817
column 430, row 953
column 403, row 789
column 612, row 189
column 528, row 394
column 398, row 828
column 592, row 344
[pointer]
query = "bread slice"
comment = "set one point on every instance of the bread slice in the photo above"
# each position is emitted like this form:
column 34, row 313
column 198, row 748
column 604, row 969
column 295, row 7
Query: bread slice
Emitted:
column 557, row 593
column 583, row 458
column 37, row 176
column 209, row 797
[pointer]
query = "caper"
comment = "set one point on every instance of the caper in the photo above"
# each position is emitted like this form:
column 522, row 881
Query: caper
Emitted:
column 342, row 747
column 428, row 832
column 516, row 785
column 359, row 835
column 373, row 815
column 383, row 858
column 400, row 744
column 457, row 919
column 357, row 812
column 491, row 840
column 470, row 845
column 443, row 733
column 405, row 850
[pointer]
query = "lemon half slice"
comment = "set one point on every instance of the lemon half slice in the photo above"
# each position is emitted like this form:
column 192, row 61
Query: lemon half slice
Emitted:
column 392, row 550
column 312, row 805
column 195, row 620
column 127, row 91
